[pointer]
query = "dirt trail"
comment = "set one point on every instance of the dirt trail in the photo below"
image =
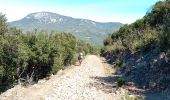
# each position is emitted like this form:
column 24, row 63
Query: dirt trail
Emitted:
column 74, row 83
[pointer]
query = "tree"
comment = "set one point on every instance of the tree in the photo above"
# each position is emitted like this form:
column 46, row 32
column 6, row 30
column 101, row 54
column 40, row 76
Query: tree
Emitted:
column 3, row 24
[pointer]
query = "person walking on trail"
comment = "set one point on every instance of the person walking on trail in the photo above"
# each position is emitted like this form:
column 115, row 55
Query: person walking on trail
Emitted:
column 80, row 58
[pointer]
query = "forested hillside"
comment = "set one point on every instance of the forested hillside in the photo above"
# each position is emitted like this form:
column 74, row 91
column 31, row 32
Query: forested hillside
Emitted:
column 34, row 55
column 141, row 50
column 149, row 32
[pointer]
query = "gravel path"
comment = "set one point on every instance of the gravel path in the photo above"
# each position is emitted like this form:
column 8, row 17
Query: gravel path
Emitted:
column 75, row 83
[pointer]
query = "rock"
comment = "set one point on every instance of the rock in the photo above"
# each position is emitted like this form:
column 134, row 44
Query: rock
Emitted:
column 130, row 84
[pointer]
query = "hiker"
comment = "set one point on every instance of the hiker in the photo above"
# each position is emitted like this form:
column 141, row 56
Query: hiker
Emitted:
column 80, row 58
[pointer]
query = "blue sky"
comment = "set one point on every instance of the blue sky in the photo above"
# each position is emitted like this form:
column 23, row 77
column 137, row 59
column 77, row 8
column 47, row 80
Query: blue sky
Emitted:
column 124, row 11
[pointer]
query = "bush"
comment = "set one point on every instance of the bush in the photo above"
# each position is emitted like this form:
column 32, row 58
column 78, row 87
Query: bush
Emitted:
column 118, row 62
column 121, row 81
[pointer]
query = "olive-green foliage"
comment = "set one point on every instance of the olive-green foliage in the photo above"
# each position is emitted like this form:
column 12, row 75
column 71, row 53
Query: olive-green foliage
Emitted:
column 3, row 24
column 152, row 31
column 108, row 40
column 118, row 62
column 39, row 52
column 35, row 54
column 51, row 52
column 121, row 81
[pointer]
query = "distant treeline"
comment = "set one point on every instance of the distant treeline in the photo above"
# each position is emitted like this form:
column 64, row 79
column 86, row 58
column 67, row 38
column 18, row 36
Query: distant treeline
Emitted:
column 36, row 54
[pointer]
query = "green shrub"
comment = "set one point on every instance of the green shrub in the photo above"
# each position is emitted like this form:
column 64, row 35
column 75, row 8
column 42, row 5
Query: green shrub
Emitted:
column 118, row 62
column 121, row 81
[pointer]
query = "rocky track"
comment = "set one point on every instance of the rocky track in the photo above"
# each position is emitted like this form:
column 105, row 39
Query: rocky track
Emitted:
column 74, row 83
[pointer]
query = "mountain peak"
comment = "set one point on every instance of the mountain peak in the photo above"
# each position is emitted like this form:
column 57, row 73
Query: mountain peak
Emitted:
column 45, row 17
column 39, row 15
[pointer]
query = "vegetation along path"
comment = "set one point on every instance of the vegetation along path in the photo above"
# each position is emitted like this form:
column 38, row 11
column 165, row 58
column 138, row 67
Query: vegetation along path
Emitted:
column 74, row 83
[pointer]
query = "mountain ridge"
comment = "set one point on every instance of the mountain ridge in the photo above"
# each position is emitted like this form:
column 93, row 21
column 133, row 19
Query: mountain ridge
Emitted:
column 97, row 31
column 46, row 12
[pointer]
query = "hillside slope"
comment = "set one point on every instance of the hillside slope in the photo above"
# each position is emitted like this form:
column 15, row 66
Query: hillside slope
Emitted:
column 141, row 51
column 84, row 29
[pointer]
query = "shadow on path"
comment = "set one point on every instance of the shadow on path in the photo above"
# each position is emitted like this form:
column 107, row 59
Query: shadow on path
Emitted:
column 106, row 84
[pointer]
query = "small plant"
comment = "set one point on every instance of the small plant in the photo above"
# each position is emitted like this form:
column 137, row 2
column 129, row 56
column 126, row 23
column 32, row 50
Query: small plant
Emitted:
column 121, row 81
column 118, row 62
